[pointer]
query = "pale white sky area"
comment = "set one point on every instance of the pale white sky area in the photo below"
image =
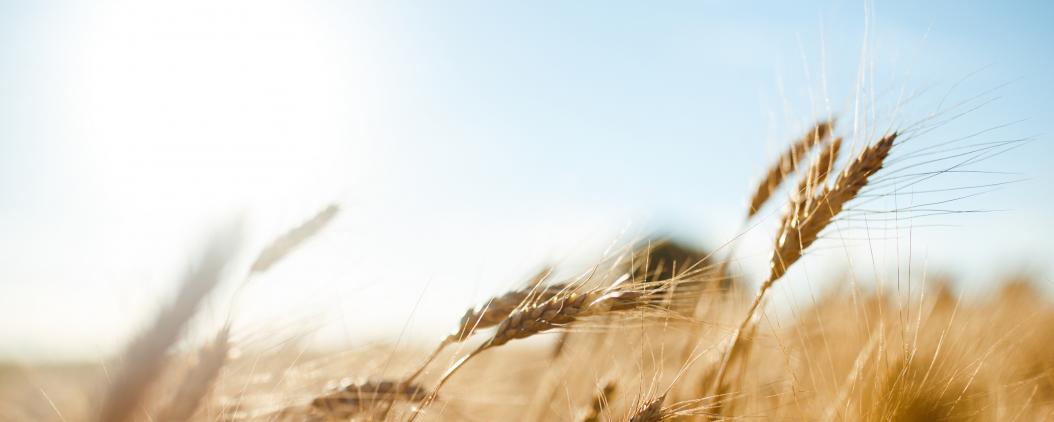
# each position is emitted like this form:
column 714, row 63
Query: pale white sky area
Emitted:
column 469, row 143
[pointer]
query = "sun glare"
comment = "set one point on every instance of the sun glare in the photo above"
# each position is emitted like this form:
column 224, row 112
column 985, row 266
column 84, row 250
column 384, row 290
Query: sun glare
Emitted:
column 176, row 117
column 249, row 98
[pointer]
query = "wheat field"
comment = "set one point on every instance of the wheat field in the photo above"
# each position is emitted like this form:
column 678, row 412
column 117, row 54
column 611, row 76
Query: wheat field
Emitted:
column 659, row 331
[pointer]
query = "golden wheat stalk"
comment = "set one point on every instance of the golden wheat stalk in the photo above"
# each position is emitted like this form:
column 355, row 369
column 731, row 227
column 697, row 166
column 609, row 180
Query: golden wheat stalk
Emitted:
column 145, row 356
column 786, row 164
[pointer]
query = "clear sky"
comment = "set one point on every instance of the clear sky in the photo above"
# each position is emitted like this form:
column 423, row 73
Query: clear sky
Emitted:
column 471, row 142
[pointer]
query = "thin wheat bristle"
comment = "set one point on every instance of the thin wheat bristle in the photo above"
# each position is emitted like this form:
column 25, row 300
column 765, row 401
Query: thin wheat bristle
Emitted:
column 540, row 277
column 669, row 267
column 291, row 239
column 600, row 402
column 787, row 164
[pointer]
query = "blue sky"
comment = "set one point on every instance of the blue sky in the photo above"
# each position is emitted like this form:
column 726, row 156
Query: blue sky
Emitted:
column 469, row 142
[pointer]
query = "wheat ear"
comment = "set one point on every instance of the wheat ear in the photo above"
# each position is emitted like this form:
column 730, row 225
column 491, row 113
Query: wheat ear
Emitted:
column 786, row 164
column 286, row 243
column 490, row 314
column 282, row 246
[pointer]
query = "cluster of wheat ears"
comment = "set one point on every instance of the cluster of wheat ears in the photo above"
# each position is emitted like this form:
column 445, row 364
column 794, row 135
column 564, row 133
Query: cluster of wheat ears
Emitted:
column 660, row 332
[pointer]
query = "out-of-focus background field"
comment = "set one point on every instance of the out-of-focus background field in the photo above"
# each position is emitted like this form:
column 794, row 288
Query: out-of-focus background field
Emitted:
column 469, row 144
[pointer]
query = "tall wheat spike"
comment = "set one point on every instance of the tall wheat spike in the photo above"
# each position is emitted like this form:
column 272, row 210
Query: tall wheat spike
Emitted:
column 802, row 229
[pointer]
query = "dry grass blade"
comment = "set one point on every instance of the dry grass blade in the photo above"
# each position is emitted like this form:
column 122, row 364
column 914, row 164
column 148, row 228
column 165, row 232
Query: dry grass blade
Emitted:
column 145, row 356
column 198, row 381
column 290, row 240
column 786, row 164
